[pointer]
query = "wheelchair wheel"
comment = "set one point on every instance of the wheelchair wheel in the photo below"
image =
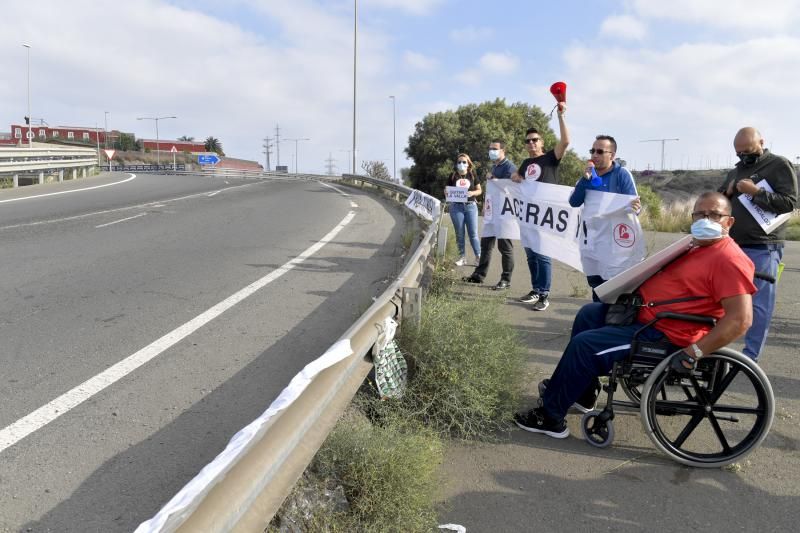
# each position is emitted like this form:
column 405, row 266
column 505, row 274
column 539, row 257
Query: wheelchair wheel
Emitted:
column 596, row 431
column 712, row 417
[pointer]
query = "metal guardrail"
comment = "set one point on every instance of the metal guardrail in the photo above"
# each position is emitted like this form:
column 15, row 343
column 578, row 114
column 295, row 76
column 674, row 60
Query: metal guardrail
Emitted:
column 16, row 161
column 250, row 490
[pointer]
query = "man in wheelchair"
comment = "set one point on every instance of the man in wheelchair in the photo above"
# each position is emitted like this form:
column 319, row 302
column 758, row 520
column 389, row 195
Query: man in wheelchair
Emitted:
column 714, row 278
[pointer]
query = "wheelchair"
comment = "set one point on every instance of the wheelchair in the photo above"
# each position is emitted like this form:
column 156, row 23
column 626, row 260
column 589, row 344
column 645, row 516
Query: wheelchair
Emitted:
column 709, row 418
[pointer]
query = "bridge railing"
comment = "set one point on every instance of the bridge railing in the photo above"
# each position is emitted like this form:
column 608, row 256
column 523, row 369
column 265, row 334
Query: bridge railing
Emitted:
column 31, row 164
column 244, row 486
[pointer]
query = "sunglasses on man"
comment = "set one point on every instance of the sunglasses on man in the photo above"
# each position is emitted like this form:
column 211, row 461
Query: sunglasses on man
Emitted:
column 599, row 151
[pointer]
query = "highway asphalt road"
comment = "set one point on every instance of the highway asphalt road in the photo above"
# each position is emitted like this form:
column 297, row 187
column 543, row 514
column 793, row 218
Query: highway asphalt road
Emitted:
column 95, row 271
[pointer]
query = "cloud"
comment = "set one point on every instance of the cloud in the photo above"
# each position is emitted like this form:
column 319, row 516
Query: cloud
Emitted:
column 415, row 7
column 745, row 15
column 471, row 34
column 417, row 61
column 469, row 76
column 217, row 77
column 623, row 27
column 500, row 63
column 701, row 93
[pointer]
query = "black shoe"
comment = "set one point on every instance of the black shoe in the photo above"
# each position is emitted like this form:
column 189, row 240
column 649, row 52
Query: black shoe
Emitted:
column 536, row 421
column 529, row 298
column 587, row 402
column 502, row 284
column 542, row 303
column 472, row 279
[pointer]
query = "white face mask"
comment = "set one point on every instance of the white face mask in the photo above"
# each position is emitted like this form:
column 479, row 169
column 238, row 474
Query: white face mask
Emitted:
column 706, row 230
column 494, row 155
column 462, row 168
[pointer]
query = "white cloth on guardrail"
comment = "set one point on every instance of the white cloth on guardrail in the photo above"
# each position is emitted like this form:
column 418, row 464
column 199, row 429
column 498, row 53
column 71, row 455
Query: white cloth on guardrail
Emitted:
column 424, row 205
column 187, row 499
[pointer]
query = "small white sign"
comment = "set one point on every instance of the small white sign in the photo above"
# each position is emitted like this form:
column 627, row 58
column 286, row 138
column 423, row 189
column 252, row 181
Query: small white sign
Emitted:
column 456, row 194
column 174, row 150
column 768, row 220
column 110, row 154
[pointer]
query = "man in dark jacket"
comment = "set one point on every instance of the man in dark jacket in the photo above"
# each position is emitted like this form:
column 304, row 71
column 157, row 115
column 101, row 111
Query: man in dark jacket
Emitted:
column 756, row 169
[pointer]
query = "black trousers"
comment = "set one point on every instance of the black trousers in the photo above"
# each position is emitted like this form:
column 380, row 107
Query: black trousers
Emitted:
column 506, row 247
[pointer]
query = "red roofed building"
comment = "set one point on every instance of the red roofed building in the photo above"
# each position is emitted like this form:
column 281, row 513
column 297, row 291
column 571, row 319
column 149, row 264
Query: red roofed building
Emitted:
column 165, row 145
column 19, row 134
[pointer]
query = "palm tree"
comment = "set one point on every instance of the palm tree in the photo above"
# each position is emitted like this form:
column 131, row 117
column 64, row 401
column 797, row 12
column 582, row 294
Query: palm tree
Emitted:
column 213, row 145
column 186, row 138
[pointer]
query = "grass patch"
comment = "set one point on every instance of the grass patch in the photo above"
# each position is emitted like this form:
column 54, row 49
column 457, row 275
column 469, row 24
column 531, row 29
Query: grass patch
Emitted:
column 467, row 369
column 388, row 472
column 793, row 227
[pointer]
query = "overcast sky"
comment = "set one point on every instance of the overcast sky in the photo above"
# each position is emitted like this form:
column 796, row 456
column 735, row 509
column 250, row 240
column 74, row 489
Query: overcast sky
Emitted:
column 696, row 70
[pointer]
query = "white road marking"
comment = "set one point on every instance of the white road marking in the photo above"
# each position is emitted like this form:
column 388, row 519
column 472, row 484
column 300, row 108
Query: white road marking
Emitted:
column 42, row 416
column 121, row 220
column 337, row 189
column 133, row 176
column 160, row 203
column 213, row 193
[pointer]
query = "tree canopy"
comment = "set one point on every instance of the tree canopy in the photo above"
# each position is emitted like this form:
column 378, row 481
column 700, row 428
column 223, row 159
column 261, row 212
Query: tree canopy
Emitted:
column 440, row 137
column 376, row 169
column 212, row 144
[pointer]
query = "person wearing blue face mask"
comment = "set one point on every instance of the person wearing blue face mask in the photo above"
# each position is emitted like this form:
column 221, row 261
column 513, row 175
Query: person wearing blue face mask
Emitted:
column 714, row 278
column 465, row 214
column 757, row 167
column 502, row 169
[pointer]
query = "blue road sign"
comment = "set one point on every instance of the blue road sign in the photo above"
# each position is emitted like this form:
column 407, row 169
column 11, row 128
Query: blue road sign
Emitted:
column 207, row 159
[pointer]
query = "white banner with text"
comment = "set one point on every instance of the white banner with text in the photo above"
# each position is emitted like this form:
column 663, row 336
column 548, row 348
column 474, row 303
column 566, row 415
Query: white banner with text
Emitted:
column 539, row 215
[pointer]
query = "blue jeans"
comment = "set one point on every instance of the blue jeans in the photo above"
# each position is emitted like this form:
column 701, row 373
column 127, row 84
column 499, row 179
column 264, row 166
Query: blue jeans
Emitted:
column 765, row 258
column 541, row 271
column 466, row 215
column 592, row 350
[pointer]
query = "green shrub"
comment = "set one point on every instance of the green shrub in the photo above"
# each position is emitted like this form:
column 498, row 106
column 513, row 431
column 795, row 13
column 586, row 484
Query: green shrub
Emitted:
column 651, row 206
column 388, row 474
column 467, row 368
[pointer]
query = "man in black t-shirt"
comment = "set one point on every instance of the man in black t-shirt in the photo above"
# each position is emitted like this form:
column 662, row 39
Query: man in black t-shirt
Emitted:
column 541, row 166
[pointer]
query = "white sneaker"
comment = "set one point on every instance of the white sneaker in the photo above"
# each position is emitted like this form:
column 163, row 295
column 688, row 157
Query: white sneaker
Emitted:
column 460, row 261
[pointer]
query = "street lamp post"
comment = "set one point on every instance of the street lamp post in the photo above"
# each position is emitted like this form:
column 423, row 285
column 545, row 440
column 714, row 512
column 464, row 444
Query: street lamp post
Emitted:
column 30, row 133
column 105, row 129
column 296, row 154
column 355, row 62
column 394, row 137
column 158, row 146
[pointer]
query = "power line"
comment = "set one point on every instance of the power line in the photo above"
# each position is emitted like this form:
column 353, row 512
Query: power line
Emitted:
column 278, row 144
column 331, row 164
column 663, row 142
column 267, row 151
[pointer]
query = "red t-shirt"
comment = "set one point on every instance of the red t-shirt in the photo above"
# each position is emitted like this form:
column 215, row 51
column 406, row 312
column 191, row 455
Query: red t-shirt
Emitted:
column 715, row 272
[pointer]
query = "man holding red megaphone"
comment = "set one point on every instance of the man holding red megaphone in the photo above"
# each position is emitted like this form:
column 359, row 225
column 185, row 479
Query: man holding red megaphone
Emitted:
column 543, row 167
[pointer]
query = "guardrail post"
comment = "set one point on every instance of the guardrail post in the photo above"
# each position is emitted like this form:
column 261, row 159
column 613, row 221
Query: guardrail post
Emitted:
column 441, row 241
column 84, row 171
column 61, row 175
column 16, row 180
column 412, row 304
column 74, row 173
column 41, row 178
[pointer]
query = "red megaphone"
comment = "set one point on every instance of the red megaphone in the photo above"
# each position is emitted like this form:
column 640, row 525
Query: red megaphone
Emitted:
column 559, row 90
